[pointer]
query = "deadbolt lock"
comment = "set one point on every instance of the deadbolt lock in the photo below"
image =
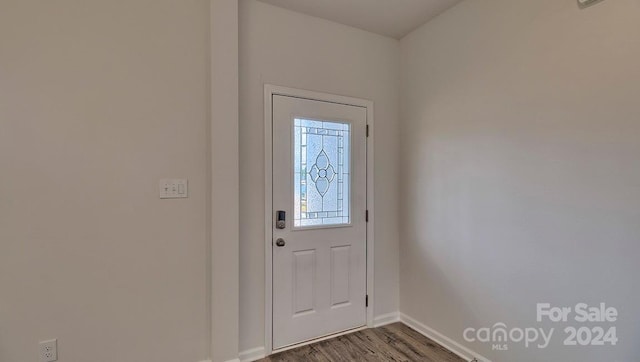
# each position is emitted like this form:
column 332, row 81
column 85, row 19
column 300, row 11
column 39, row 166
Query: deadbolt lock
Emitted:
column 281, row 219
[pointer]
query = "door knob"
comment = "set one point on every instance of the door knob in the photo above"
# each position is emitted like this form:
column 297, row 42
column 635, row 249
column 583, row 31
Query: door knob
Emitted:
column 280, row 242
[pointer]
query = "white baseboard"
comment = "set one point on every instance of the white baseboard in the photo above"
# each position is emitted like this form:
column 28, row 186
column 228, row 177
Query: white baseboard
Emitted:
column 385, row 319
column 446, row 342
column 252, row 354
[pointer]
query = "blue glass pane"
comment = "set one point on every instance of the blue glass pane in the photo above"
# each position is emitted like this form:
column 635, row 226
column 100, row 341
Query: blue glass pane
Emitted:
column 321, row 155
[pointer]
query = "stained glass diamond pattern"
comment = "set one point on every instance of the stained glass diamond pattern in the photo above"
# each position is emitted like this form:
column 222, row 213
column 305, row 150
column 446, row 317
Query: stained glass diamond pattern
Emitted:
column 322, row 173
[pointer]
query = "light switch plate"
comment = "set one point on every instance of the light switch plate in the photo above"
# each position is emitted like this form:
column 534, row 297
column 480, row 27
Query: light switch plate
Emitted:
column 173, row 188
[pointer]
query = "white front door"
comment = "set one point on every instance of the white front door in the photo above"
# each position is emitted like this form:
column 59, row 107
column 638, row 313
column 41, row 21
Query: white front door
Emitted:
column 319, row 231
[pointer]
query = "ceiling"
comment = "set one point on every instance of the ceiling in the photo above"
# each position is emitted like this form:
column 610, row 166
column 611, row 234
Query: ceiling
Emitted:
column 394, row 18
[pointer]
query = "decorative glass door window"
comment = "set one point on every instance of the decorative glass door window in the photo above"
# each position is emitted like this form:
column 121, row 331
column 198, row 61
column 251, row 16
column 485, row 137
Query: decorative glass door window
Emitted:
column 321, row 157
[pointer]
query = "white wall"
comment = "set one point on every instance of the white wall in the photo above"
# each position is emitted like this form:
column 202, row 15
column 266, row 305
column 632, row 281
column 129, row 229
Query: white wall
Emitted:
column 521, row 169
column 98, row 101
column 289, row 49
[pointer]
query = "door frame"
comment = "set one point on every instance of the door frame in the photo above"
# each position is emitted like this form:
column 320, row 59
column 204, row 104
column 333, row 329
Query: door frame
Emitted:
column 269, row 91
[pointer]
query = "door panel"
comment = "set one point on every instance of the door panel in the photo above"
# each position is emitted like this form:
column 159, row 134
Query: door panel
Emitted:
column 304, row 281
column 319, row 185
column 340, row 270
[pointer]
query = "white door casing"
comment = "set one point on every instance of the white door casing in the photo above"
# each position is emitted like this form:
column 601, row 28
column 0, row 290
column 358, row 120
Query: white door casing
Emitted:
column 319, row 181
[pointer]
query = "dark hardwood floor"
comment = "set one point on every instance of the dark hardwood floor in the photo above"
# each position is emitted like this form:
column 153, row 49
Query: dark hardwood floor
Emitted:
column 393, row 342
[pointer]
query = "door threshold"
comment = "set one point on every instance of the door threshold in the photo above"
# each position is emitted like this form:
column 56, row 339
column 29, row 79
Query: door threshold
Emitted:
column 319, row 339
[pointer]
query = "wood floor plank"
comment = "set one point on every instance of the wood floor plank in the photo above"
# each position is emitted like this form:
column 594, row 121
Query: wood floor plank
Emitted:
column 394, row 342
column 410, row 353
column 370, row 340
column 430, row 349
column 343, row 349
column 375, row 338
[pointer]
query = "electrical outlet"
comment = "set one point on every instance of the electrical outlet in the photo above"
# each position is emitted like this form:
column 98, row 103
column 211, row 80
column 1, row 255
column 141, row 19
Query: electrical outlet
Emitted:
column 49, row 350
